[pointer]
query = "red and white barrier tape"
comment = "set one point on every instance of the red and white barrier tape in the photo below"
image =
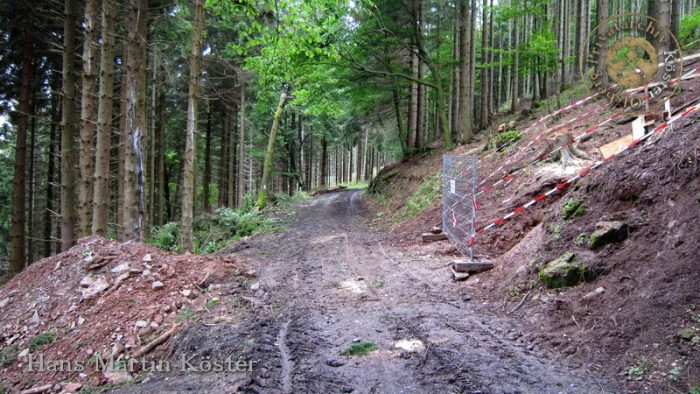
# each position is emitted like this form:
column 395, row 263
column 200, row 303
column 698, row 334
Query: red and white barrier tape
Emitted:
column 585, row 172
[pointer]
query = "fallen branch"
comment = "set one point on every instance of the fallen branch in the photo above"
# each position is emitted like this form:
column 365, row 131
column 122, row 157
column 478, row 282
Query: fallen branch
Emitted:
column 38, row 389
column 520, row 303
column 156, row 342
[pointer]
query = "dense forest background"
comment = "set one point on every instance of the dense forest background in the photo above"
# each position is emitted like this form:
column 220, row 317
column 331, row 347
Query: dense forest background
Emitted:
column 124, row 118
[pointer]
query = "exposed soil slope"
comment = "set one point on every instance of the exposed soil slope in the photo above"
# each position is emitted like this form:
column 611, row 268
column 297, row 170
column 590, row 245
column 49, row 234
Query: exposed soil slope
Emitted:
column 648, row 315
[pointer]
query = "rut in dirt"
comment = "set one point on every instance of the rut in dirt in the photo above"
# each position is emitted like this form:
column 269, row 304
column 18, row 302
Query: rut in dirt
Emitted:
column 335, row 284
column 327, row 282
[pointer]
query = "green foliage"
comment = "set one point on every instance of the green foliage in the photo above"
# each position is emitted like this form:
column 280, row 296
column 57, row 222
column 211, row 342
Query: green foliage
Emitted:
column 41, row 340
column 573, row 209
column 676, row 370
column 638, row 369
column 211, row 303
column 184, row 315
column 690, row 28
column 214, row 231
column 8, row 355
column 506, row 139
column 555, row 230
column 360, row 349
column 427, row 194
column 580, row 239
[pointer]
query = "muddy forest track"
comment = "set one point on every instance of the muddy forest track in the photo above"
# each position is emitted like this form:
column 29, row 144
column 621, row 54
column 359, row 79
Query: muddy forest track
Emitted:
column 326, row 283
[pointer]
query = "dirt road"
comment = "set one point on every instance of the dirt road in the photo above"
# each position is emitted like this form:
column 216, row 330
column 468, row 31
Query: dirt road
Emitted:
column 326, row 283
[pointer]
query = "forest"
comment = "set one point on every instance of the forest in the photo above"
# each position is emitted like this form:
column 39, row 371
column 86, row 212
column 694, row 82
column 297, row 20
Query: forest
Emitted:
column 122, row 117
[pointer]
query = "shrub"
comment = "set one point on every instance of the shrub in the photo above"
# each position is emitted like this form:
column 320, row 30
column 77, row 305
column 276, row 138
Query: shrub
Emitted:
column 507, row 138
column 690, row 28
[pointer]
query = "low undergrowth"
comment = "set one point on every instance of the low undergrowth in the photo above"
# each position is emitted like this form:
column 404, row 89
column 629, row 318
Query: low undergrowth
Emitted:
column 427, row 194
column 212, row 232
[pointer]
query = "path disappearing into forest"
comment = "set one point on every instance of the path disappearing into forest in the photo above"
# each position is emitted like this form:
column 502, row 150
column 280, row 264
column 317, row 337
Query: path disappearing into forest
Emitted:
column 326, row 283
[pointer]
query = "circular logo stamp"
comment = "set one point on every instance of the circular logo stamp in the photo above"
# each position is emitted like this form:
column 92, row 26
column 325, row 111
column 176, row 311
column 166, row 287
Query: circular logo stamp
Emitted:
column 622, row 68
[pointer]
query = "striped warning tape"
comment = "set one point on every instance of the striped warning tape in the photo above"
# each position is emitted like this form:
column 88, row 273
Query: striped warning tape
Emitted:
column 585, row 172
column 514, row 170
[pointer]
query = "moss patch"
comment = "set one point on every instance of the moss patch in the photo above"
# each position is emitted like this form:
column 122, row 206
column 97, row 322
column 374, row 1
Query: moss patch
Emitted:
column 573, row 209
column 563, row 272
column 360, row 349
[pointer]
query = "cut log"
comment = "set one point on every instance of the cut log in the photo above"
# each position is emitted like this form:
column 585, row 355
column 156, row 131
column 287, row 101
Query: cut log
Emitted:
column 436, row 230
column 471, row 266
column 430, row 237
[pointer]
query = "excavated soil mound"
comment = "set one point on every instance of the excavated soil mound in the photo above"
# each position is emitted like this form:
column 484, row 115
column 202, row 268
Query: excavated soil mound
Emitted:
column 100, row 297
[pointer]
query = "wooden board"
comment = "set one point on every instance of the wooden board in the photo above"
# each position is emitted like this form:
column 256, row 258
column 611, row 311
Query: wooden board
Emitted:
column 612, row 148
column 430, row 237
column 472, row 267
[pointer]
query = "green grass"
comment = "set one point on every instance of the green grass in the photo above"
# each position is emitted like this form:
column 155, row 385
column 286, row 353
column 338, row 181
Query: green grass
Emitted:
column 360, row 349
column 41, row 340
column 184, row 315
column 427, row 194
column 211, row 303
column 8, row 356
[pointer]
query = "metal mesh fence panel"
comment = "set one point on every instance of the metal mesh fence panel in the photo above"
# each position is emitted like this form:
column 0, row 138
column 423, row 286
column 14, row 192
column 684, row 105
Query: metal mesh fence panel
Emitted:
column 458, row 201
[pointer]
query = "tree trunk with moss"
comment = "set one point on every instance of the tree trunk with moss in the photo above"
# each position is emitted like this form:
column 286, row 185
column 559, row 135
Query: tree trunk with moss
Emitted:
column 269, row 153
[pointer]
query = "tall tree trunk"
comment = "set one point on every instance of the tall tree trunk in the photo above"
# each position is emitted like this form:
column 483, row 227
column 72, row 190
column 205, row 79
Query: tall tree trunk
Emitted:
column 324, row 161
column 602, row 8
column 484, row 70
column 69, row 173
column 675, row 21
column 465, row 104
column 233, row 182
column 515, row 68
column 159, row 137
column 51, row 167
column 87, row 119
column 104, row 122
column 135, row 121
column 207, row 163
column 241, row 147
column 412, row 107
column 17, row 244
column 265, row 182
column 191, row 137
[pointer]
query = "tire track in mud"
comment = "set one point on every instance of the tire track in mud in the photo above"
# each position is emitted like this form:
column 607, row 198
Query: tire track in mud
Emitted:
column 329, row 283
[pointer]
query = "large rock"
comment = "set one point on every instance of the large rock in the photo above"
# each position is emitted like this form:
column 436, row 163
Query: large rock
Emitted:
column 563, row 272
column 608, row 232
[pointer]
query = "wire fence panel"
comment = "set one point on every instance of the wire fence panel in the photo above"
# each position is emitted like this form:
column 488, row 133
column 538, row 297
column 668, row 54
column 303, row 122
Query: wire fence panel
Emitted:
column 459, row 177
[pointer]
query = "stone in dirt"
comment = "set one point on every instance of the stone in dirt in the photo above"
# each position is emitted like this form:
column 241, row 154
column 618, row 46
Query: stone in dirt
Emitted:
column 594, row 293
column 335, row 363
column 87, row 281
column 97, row 287
column 72, row 387
column 471, row 266
column 157, row 285
column 120, row 268
column 608, row 232
column 458, row 276
column 563, row 272
column 255, row 286
column 436, row 230
column 117, row 376
column 188, row 293
column 147, row 258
